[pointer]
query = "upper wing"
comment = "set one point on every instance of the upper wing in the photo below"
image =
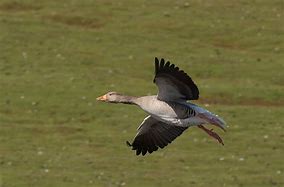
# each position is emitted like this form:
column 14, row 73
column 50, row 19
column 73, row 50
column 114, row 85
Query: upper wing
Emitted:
column 153, row 134
column 173, row 84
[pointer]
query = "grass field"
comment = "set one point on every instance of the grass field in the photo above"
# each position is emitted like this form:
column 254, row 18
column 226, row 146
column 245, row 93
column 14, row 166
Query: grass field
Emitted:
column 56, row 57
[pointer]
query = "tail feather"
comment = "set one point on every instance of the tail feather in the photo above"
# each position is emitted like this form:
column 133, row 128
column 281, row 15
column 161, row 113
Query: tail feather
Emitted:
column 210, row 117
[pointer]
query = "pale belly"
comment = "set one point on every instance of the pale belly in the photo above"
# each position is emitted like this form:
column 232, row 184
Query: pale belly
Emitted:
column 170, row 113
column 160, row 108
column 187, row 122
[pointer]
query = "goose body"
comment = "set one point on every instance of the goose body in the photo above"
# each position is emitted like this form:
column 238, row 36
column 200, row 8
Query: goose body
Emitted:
column 170, row 113
column 173, row 113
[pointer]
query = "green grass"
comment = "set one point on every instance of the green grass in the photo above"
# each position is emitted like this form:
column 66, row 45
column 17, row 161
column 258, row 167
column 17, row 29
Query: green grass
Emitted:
column 56, row 57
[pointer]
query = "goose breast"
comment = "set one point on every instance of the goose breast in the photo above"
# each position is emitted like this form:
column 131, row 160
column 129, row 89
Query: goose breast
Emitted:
column 163, row 109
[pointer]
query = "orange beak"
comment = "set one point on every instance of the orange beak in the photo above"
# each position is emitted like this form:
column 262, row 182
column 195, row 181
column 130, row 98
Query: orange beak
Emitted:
column 102, row 98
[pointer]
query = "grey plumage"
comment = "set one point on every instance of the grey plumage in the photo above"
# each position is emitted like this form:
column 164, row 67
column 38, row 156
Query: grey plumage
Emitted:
column 170, row 113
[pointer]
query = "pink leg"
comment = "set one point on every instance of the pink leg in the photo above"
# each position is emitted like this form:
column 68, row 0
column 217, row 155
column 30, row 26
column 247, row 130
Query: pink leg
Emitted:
column 212, row 134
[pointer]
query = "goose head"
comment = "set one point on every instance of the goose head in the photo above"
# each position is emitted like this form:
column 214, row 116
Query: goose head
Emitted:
column 110, row 97
column 114, row 97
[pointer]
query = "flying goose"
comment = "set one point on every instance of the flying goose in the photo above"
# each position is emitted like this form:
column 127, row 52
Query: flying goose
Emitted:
column 170, row 113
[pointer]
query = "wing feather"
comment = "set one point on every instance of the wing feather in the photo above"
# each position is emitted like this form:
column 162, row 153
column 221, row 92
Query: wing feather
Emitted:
column 173, row 83
column 153, row 134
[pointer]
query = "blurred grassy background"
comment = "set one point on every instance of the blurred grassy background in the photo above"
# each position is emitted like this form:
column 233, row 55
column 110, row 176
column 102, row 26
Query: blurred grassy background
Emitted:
column 56, row 57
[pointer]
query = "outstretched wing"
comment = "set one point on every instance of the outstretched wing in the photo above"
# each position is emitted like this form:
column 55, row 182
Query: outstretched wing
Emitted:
column 173, row 84
column 153, row 134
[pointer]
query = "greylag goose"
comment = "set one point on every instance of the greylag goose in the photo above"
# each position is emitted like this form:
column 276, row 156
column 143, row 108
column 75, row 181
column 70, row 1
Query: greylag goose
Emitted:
column 170, row 113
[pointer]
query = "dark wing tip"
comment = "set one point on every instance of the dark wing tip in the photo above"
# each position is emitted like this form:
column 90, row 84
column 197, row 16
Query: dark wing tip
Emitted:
column 128, row 144
column 161, row 67
column 156, row 66
column 141, row 148
column 162, row 63
column 144, row 145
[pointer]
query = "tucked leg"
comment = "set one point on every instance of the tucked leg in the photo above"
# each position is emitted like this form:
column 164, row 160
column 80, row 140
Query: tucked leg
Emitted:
column 212, row 134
